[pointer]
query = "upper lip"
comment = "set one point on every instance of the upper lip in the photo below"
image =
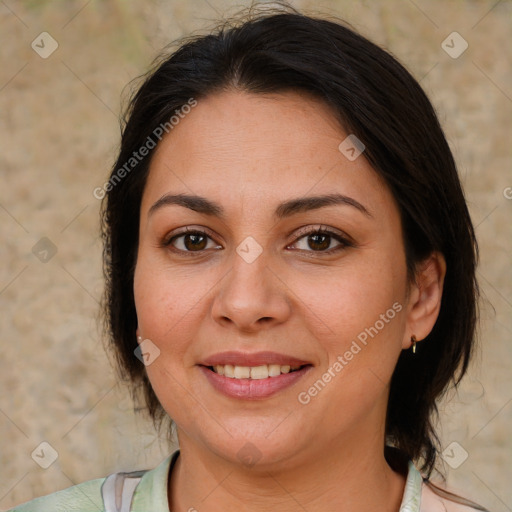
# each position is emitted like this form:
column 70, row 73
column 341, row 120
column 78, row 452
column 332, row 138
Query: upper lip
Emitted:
column 252, row 359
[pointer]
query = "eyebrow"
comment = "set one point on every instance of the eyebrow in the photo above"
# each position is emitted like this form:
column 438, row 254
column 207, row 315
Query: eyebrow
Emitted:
column 286, row 209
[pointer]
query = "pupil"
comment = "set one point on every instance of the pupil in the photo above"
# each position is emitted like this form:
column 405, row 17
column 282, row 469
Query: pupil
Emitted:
column 195, row 240
column 323, row 245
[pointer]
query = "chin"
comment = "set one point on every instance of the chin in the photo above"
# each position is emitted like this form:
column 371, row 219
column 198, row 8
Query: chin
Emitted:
column 253, row 448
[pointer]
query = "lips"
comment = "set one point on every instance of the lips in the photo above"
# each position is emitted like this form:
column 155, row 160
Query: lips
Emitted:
column 252, row 376
column 235, row 358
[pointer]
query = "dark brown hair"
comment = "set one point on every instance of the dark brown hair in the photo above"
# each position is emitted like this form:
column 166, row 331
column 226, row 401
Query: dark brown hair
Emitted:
column 375, row 98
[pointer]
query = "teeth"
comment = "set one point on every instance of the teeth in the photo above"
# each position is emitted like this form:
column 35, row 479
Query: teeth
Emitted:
column 253, row 372
column 274, row 370
column 259, row 372
column 242, row 372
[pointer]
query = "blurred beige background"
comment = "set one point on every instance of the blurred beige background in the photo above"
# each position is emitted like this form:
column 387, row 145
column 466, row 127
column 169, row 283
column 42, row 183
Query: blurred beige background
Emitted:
column 59, row 133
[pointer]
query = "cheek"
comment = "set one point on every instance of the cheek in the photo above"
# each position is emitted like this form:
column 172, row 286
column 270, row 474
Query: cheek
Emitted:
column 165, row 310
column 170, row 303
column 359, row 336
column 162, row 297
column 348, row 300
column 356, row 314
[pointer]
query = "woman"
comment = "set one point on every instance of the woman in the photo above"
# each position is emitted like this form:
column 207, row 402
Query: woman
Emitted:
column 290, row 270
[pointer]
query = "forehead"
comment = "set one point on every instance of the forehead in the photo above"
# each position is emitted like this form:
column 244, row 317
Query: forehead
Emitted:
column 241, row 148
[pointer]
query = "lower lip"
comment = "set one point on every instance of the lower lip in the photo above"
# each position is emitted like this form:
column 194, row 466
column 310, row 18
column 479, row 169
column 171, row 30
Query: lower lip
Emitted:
column 253, row 389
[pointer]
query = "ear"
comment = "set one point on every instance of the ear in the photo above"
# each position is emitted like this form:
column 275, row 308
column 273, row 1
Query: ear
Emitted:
column 425, row 298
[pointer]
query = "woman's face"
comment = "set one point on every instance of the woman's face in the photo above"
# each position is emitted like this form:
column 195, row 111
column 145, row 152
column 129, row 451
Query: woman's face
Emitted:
column 251, row 290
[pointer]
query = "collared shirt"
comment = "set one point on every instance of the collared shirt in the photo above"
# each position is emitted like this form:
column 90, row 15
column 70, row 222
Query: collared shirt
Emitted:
column 151, row 495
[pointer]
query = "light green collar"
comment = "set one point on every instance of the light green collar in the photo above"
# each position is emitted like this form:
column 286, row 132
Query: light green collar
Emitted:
column 412, row 494
column 151, row 493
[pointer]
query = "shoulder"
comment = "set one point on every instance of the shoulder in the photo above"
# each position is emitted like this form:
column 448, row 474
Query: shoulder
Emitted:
column 84, row 497
column 438, row 499
column 422, row 495
column 148, row 488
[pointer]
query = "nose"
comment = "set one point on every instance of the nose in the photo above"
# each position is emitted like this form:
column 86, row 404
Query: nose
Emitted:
column 251, row 297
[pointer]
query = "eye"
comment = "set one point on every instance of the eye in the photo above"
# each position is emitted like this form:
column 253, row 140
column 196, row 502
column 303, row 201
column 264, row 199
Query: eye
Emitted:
column 312, row 240
column 321, row 240
column 189, row 241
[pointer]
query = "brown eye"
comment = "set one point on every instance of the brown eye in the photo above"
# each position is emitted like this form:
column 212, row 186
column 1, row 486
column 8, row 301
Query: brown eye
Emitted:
column 194, row 241
column 321, row 241
column 190, row 241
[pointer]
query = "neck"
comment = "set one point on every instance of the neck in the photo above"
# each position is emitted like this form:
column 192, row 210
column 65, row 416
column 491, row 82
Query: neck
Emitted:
column 350, row 475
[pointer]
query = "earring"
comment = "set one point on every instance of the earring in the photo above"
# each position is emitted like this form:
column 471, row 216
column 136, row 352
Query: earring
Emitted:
column 139, row 338
column 413, row 341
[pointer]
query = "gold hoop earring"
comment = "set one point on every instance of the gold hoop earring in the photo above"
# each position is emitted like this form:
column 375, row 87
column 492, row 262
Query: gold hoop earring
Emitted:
column 413, row 341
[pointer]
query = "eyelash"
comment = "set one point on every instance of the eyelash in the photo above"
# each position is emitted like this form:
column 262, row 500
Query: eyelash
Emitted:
column 344, row 241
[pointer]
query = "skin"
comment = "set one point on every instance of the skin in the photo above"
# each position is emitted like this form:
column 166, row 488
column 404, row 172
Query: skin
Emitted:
column 248, row 153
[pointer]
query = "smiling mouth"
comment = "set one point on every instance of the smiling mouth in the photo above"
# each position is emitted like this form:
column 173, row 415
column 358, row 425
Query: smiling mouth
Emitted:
column 254, row 372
